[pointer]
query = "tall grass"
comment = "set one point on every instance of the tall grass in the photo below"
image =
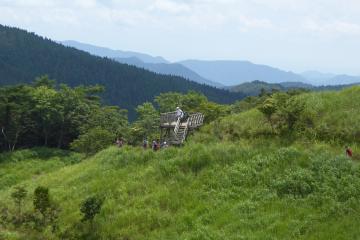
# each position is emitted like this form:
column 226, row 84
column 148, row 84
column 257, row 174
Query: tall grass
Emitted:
column 224, row 190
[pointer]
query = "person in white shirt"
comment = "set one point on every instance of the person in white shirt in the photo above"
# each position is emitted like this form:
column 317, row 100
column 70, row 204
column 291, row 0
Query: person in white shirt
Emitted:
column 179, row 113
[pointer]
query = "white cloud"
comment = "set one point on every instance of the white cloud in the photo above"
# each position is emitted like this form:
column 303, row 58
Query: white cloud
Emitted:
column 336, row 27
column 169, row 6
column 292, row 30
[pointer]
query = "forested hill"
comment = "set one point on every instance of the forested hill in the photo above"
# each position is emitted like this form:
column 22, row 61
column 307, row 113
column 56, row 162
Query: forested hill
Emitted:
column 24, row 56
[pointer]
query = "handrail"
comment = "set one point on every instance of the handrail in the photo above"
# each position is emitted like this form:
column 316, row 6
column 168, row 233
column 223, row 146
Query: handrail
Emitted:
column 177, row 126
column 196, row 119
column 168, row 117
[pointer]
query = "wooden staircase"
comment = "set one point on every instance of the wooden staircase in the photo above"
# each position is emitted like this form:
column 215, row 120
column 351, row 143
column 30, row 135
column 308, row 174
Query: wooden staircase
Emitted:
column 180, row 133
column 177, row 131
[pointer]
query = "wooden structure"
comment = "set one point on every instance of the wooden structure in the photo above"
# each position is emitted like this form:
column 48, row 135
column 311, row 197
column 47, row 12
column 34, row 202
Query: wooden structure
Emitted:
column 174, row 131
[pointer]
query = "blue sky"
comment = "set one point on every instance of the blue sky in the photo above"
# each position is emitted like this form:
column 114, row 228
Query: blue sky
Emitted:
column 294, row 35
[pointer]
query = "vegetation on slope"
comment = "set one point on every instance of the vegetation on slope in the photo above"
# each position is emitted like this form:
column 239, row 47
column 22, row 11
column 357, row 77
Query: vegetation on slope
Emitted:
column 258, row 190
column 322, row 116
column 276, row 171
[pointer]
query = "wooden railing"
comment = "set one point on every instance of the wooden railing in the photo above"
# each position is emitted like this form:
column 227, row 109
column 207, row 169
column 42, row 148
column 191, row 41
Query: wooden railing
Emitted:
column 196, row 120
column 177, row 126
column 168, row 118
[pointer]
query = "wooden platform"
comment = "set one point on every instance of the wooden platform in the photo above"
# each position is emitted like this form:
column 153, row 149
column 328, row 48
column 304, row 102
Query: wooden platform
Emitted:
column 176, row 131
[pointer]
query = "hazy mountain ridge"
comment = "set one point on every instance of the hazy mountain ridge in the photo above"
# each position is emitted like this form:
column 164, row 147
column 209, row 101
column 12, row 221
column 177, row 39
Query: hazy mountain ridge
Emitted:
column 232, row 73
column 218, row 73
column 110, row 53
column 154, row 64
column 174, row 69
column 321, row 79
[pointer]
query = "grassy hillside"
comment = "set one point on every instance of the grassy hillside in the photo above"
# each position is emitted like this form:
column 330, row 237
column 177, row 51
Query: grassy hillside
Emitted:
column 327, row 116
column 243, row 190
column 235, row 179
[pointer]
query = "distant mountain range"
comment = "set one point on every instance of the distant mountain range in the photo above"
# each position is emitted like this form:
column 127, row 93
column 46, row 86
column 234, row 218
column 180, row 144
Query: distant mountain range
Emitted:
column 24, row 56
column 154, row 64
column 106, row 52
column 220, row 73
column 321, row 79
column 232, row 73
column 174, row 69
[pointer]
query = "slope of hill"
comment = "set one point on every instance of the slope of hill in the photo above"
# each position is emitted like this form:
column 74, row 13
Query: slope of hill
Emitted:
column 218, row 191
column 232, row 73
column 110, row 53
column 326, row 116
column 229, row 181
column 24, row 56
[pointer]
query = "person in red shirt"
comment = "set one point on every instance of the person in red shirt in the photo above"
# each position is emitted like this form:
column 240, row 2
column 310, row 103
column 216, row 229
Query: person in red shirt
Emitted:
column 349, row 152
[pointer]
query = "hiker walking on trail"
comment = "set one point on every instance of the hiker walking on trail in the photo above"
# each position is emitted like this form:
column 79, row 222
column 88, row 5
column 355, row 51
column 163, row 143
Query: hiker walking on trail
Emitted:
column 119, row 142
column 348, row 151
column 164, row 145
column 179, row 113
column 145, row 143
column 155, row 145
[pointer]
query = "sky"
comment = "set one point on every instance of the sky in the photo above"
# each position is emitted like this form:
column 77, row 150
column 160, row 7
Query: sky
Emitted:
column 294, row 35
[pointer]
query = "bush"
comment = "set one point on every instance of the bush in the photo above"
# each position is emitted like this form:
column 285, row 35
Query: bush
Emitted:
column 41, row 200
column 299, row 183
column 90, row 207
column 18, row 197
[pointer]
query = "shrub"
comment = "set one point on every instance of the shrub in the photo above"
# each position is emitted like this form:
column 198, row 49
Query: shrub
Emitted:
column 299, row 183
column 41, row 200
column 90, row 207
column 18, row 197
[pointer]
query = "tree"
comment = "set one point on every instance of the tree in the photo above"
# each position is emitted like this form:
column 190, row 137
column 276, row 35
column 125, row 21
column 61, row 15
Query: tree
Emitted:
column 168, row 102
column 269, row 108
column 147, row 124
column 109, row 118
column 93, row 141
column 47, row 110
column 16, row 109
column 44, row 81
column 192, row 100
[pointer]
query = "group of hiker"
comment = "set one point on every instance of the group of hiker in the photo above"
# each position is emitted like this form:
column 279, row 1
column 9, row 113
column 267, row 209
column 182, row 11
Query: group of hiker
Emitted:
column 155, row 145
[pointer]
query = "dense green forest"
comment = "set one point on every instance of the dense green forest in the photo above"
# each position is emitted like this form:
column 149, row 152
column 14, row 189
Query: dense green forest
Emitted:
column 25, row 56
column 267, row 167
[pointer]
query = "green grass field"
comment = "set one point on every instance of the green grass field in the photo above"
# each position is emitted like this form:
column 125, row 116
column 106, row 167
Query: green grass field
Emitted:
column 232, row 180
column 221, row 191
